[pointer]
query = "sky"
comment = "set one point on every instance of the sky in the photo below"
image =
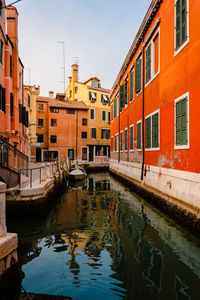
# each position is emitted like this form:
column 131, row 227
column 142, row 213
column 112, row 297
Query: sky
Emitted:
column 96, row 34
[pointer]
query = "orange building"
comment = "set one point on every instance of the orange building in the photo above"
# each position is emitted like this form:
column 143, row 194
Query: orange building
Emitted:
column 13, row 107
column 155, row 115
column 61, row 129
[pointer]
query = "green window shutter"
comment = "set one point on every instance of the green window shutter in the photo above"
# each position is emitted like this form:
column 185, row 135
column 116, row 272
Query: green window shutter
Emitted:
column 126, row 140
column 139, row 136
column 126, row 92
column 121, row 97
column 131, row 85
column 155, row 131
column 111, row 143
column 148, row 132
column 115, row 107
column 121, row 141
column 178, row 123
column 112, row 112
column 131, row 138
column 178, row 24
column 138, row 73
column 184, row 122
column 183, row 21
column 148, row 63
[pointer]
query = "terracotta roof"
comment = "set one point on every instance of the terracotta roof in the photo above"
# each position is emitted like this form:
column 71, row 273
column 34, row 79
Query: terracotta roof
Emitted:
column 92, row 78
column 153, row 8
column 68, row 104
column 46, row 99
column 99, row 89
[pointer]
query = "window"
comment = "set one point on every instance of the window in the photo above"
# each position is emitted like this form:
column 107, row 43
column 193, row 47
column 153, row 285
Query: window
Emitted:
column 103, row 115
column 2, row 99
column 71, row 154
column 126, row 92
column 181, row 123
column 40, row 107
column 139, row 135
column 131, row 85
column 101, row 151
column 92, row 114
column 105, row 99
column 138, row 73
column 20, row 81
column 1, row 51
column 54, row 109
column 93, row 133
column 126, row 139
column 10, row 65
column 84, row 122
column 40, row 122
column 152, row 131
column 121, row 140
column 105, row 134
column 112, row 143
column 54, row 122
column 152, row 58
column 84, row 134
column 148, row 63
column 121, row 96
column 92, row 96
column 70, row 111
column 181, row 22
column 40, row 138
column 115, row 107
column 116, row 142
column 11, row 104
column 112, row 112
column 84, row 153
column 131, row 137
column 53, row 139
column 108, row 116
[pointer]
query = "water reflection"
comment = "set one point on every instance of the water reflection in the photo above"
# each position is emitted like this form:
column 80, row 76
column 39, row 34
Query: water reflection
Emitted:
column 102, row 241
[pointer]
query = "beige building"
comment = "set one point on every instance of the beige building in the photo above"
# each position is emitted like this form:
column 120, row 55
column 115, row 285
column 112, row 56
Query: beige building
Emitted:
column 97, row 100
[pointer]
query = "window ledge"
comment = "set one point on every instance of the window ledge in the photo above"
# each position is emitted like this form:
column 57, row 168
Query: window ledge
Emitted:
column 176, row 52
column 154, row 76
column 152, row 149
column 182, row 147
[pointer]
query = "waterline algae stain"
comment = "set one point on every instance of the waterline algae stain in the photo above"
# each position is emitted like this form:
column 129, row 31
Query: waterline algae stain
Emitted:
column 101, row 241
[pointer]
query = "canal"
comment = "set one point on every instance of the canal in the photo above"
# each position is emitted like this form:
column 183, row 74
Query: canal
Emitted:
column 101, row 241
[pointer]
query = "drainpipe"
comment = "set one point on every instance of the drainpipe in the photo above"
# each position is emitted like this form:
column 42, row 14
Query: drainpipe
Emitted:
column 143, row 153
column 119, row 137
column 77, row 137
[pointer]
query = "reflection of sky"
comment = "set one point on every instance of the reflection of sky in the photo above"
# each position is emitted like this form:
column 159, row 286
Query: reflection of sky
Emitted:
column 50, row 274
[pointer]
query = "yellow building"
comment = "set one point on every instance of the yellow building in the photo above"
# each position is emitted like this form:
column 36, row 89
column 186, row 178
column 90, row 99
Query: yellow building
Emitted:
column 97, row 100
column 30, row 94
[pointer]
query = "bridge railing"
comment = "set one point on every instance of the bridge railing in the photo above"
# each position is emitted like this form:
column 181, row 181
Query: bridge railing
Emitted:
column 12, row 158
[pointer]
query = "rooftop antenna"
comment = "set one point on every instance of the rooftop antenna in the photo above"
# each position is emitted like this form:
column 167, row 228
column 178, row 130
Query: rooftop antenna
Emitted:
column 63, row 67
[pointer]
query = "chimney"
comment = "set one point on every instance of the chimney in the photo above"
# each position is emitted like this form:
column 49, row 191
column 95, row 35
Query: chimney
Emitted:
column 74, row 72
column 51, row 94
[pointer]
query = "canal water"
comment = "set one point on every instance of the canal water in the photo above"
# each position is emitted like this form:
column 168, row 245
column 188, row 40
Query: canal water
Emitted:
column 101, row 241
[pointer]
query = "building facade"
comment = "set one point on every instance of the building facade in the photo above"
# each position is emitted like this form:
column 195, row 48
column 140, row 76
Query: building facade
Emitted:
column 154, row 103
column 61, row 129
column 97, row 100
column 13, row 106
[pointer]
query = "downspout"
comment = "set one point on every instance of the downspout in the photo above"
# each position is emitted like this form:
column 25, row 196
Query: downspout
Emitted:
column 143, row 153
column 119, row 137
column 77, row 137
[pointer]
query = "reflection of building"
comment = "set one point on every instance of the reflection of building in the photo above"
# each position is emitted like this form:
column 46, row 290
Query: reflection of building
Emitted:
column 96, row 98
column 61, row 129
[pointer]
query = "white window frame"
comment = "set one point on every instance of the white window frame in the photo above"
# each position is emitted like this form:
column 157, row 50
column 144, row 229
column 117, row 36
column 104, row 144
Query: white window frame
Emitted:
column 188, row 121
column 94, row 113
column 90, row 133
column 117, row 139
column 153, row 76
column 131, row 150
column 126, row 150
column 105, row 129
column 103, row 111
column 176, row 52
column 150, row 115
column 140, row 149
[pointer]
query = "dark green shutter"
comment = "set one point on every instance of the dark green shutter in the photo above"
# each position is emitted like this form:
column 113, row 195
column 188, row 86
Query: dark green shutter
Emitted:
column 126, row 92
column 131, row 85
column 11, row 104
column 115, row 107
column 148, row 63
column 181, row 122
column 184, row 21
column 178, row 123
column 121, row 97
column 138, row 73
column 178, row 24
column 23, row 115
column 131, row 138
column 148, row 132
column 126, row 140
column 181, row 22
column 139, row 136
column 155, row 131
column 121, row 140
column 111, row 143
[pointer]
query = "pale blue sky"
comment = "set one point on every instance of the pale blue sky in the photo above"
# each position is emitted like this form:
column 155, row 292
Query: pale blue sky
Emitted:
column 99, row 33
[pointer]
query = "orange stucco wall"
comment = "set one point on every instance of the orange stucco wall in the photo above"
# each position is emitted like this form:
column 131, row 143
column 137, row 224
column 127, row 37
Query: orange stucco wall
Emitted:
column 179, row 74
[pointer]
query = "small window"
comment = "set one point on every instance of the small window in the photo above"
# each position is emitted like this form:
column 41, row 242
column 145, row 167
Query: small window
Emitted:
column 108, row 116
column 116, row 142
column 139, row 135
column 53, row 122
column 92, row 114
column 105, row 99
column 40, row 138
column 84, row 153
column 112, row 143
column 84, row 134
column 138, row 73
column 93, row 133
column 126, row 92
column 152, row 131
column 103, row 115
column 148, row 63
column 126, row 139
column 41, row 123
column 40, row 107
column 121, row 96
column 11, row 104
column 84, row 122
column 92, row 96
column 121, row 140
column 131, row 137
column 1, row 51
column 53, row 139
column 181, row 22
column 105, row 134
column 131, row 85
column 54, row 109
column 181, row 125
column 70, row 111
column 101, row 151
